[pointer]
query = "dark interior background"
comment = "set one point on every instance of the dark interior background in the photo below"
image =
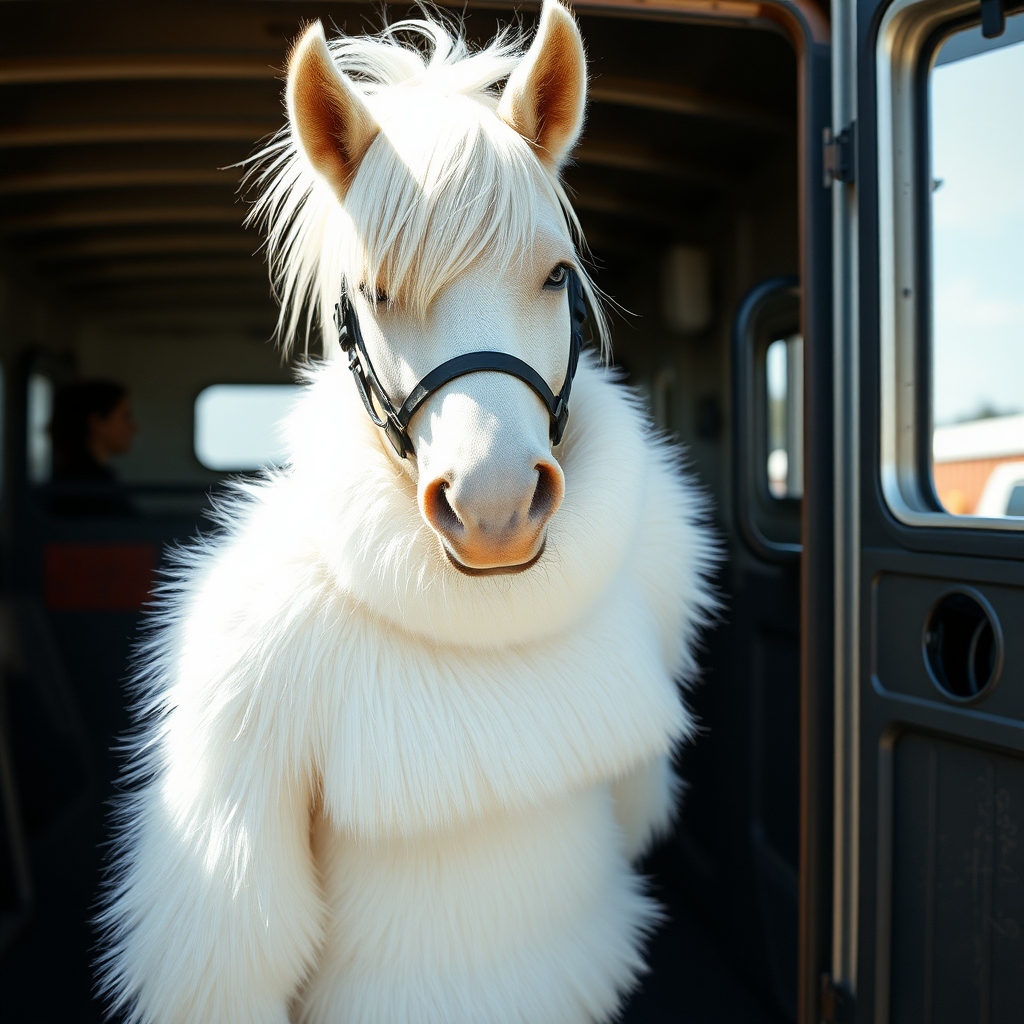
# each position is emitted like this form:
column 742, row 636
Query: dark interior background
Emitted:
column 122, row 254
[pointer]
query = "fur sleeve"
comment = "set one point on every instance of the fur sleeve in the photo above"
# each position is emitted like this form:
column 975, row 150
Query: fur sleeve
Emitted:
column 214, row 911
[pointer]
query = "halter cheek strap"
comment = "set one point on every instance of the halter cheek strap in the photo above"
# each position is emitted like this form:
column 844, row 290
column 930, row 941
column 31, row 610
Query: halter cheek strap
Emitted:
column 395, row 422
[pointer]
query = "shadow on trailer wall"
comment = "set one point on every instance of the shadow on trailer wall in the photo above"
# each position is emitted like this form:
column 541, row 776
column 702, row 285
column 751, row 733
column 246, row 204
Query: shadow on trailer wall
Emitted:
column 123, row 257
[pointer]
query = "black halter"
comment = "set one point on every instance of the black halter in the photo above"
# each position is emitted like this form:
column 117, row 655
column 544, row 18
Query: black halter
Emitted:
column 395, row 422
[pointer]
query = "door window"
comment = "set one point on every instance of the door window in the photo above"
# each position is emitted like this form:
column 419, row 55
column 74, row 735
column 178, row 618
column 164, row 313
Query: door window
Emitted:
column 784, row 366
column 767, row 371
column 951, row 265
column 976, row 95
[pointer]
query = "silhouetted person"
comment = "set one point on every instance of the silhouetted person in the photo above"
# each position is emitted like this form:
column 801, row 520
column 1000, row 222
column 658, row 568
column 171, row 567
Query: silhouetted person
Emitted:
column 92, row 421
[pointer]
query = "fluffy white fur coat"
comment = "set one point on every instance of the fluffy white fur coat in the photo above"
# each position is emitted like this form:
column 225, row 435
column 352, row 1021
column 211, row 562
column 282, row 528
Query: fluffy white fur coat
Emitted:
column 372, row 789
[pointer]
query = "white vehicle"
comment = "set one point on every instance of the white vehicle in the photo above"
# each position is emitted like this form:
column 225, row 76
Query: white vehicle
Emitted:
column 1004, row 492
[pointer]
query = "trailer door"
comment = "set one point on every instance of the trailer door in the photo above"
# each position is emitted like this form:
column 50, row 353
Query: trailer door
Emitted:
column 927, row 825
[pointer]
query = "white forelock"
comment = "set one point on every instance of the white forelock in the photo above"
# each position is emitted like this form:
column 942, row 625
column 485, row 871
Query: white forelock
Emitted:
column 444, row 182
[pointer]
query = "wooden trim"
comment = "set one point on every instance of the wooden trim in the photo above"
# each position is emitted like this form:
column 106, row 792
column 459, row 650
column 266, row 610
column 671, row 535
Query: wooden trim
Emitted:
column 636, row 158
column 149, row 244
column 60, row 220
column 137, row 67
column 600, row 200
column 160, row 270
column 678, row 99
column 127, row 177
column 783, row 13
column 261, row 66
column 186, row 290
column 24, row 136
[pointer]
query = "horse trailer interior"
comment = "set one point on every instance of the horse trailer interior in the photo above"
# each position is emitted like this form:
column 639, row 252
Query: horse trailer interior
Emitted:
column 849, row 843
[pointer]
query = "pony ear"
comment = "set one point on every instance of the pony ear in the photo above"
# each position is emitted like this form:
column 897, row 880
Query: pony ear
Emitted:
column 328, row 116
column 546, row 94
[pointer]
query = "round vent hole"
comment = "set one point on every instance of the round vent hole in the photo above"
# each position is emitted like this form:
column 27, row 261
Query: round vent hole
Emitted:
column 963, row 646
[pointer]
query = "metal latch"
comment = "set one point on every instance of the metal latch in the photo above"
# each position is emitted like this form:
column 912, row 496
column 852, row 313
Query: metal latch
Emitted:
column 838, row 155
column 836, row 1003
column 993, row 18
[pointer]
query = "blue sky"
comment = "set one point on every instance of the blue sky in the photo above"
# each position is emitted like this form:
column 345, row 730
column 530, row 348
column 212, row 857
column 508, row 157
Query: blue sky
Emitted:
column 978, row 223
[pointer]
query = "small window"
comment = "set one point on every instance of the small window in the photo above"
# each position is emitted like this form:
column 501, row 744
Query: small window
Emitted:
column 40, row 411
column 977, row 263
column 784, row 380
column 238, row 426
column 767, row 409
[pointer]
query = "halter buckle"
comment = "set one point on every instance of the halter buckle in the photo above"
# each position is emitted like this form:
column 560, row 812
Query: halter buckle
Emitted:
column 397, row 436
column 344, row 335
column 559, row 420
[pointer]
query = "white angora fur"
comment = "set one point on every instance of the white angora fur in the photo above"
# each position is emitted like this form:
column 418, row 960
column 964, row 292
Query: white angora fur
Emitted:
column 371, row 789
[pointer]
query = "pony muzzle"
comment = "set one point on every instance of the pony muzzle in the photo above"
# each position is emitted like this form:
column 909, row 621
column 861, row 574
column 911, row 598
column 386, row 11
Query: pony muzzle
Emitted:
column 494, row 527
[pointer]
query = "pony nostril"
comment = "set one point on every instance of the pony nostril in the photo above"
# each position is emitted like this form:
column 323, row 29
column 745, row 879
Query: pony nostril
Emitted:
column 438, row 509
column 547, row 495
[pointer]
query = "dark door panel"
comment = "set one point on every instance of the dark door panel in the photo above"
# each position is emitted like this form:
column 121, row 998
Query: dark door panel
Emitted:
column 957, row 881
column 929, row 661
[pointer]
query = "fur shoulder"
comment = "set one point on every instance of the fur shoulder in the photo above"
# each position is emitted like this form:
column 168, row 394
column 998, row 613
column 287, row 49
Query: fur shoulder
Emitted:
column 675, row 558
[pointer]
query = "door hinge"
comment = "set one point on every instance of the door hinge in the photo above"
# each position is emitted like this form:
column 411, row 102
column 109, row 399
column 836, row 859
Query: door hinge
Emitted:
column 838, row 155
column 836, row 1003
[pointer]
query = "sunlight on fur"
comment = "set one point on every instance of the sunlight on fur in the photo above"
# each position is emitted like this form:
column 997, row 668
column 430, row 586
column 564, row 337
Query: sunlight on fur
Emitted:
column 365, row 787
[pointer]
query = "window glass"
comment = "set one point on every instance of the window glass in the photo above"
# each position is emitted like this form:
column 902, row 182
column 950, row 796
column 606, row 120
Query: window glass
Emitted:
column 40, row 412
column 237, row 426
column 784, row 380
column 977, row 156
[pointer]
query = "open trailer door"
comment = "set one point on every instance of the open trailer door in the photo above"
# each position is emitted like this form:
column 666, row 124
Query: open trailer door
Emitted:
column 928, row 786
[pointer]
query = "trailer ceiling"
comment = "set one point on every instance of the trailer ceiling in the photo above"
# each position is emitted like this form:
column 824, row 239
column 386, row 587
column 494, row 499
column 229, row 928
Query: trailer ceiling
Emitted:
column 122, row 126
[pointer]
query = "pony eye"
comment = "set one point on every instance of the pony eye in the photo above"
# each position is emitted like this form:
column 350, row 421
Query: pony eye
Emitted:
column 557, row 277
column 379, row 296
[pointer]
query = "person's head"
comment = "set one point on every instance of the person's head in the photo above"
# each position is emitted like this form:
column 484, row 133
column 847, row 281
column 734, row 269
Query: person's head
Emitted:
column 91, row 419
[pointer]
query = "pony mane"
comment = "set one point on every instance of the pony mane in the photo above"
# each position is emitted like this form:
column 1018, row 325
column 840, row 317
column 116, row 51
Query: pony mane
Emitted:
column 434, row 191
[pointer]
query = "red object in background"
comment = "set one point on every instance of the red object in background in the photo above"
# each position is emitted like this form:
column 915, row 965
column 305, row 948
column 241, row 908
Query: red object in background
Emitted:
column 960, row 484
column 98, row 577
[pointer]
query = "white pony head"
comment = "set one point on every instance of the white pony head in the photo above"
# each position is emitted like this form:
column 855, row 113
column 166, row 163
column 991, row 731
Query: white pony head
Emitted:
column 409, row 180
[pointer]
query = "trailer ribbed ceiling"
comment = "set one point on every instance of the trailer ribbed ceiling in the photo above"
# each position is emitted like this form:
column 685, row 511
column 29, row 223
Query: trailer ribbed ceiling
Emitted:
column 120, row 125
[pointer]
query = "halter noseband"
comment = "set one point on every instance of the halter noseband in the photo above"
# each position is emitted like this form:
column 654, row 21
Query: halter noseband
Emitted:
column 395, row 422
